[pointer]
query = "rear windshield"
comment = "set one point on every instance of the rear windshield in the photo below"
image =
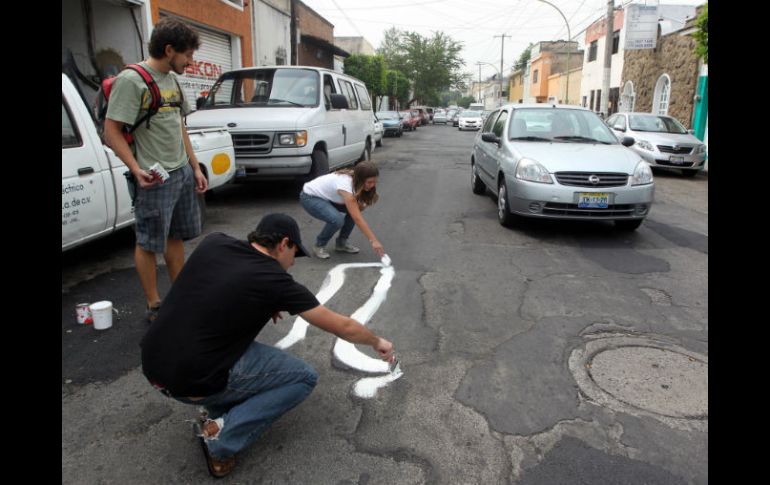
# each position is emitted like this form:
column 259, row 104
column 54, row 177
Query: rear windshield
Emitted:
column 265, row 88
column 659, row 124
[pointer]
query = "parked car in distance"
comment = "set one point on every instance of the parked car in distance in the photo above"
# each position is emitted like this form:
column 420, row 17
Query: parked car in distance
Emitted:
column 421, row 115
column 661, row 140
column 440, row 116
column 456, row 117
column 379, row 131
column 469, row 120
column 391, row 122
column 410, row 121
column 577, row 169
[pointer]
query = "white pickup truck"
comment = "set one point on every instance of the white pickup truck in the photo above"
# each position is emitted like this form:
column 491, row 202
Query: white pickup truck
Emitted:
column 94, row 192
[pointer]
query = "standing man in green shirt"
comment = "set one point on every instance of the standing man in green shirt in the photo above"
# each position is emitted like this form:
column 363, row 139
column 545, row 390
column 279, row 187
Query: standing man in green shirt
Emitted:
column 166, row 213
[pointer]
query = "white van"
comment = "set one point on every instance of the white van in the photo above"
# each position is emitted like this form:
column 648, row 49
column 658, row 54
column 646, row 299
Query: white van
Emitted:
column 290, row 121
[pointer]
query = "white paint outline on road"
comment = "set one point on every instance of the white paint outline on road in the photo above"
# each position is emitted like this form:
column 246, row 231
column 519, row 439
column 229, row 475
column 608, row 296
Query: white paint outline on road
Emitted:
column 344, row 351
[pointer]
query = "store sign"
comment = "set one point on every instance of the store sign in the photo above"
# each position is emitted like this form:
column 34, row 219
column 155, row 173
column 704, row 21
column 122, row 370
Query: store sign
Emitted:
column 641, row 26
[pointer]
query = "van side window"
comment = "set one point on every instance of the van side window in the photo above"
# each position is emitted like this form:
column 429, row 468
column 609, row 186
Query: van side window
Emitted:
column 70, row 137
column 364, row 97
column 329, row 89
column 347, row 89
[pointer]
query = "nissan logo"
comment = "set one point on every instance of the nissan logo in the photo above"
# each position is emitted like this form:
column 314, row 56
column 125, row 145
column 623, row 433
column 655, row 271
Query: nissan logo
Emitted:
column 593, row 179
column 232, row 125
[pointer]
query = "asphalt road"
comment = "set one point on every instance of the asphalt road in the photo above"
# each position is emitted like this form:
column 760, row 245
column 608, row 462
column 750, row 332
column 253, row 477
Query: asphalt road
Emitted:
column 494, row 328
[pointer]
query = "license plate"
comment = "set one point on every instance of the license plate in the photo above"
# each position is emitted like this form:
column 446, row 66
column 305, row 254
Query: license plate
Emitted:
column 240, row 172
column 676, row 159
column 593, row 200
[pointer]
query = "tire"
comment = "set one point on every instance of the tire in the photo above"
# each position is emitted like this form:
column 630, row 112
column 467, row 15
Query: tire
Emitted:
column 399, row 134
column 690, row 173
column 366, row 155
column 504, row 215
column 379, row 142
column 319, row 167
column 628, row 224
column 477, row 185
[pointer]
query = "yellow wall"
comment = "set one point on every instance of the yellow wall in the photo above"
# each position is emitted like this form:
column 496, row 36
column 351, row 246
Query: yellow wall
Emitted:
column 542, row 64
column 516, row 87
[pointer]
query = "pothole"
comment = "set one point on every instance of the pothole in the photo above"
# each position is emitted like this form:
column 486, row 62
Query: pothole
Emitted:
column 644, row 375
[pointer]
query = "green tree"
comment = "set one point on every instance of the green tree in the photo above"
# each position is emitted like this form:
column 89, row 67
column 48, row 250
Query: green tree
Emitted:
column 465, row 101
column 702, row 35
column 524, row 57
column 398, row 87
column 432, row 65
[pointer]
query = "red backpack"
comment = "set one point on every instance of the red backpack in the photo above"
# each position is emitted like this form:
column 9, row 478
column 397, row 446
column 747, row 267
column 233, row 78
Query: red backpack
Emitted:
column 155, row 103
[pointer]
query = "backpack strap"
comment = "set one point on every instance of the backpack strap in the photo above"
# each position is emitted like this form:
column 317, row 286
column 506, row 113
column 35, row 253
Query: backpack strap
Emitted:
column 152, row 86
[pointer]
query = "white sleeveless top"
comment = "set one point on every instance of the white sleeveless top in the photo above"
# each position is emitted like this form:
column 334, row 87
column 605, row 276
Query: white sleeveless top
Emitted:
column 326, row 187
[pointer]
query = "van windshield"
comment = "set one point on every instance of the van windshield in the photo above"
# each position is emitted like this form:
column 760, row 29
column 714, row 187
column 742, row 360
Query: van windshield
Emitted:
column 272, row 88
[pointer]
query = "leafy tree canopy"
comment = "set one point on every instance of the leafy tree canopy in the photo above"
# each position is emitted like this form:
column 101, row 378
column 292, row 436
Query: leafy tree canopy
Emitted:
column 702, row 35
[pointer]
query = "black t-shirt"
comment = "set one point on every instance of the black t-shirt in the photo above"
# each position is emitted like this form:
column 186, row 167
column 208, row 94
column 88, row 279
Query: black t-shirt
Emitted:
column 226, row 292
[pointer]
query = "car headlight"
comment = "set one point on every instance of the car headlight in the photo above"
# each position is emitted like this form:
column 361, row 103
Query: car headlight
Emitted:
column 532, row 171
column 645, row 145
column 699, row 149
column 642, row 174
column 292, row 139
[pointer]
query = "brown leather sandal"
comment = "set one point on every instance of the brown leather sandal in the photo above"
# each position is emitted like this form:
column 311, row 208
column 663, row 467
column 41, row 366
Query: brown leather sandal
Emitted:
column 217, row 468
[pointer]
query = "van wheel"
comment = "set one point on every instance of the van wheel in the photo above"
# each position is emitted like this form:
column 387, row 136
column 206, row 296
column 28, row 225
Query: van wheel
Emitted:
column 366, row 155
column 320, row 165
column 379, row 143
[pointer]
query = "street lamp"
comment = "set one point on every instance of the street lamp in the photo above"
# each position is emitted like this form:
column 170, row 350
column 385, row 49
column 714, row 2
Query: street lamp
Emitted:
column 498, row 73
column 569, row 40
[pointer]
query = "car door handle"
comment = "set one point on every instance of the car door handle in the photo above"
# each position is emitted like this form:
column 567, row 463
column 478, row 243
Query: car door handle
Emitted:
column 85, row 170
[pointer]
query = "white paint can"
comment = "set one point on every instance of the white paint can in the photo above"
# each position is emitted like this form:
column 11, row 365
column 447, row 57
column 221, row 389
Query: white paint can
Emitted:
column 102, row 314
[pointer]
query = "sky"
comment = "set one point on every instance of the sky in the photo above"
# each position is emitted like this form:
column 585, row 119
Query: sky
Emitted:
column 472, row 22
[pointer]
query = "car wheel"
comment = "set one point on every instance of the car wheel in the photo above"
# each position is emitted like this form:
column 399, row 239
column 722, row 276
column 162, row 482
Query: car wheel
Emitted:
column 320, row 165
column 689, row 173
column 476, row 184
column 628, row 224
column 366, row 155
column 399, row 133
column 379, row 142
column 504, row 215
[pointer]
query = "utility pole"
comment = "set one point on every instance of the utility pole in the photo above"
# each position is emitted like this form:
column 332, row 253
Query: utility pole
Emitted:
column 502, row 48
column 607, row 57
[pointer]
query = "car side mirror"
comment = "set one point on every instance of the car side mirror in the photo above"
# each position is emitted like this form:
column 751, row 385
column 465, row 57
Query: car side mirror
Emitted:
column 691, row 131
column 490, row 137
column 339, row 101
column 200, row 102
column 627, row 141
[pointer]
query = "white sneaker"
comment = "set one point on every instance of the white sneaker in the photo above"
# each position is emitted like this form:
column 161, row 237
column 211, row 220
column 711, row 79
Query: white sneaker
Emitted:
column 347, row 248
column 320, row 252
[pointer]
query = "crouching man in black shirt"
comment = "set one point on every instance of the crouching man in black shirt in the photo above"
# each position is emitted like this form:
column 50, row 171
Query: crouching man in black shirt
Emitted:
column 201, row 348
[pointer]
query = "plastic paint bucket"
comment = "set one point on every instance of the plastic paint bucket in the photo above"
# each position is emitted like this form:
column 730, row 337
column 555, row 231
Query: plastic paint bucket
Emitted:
column 102, row 314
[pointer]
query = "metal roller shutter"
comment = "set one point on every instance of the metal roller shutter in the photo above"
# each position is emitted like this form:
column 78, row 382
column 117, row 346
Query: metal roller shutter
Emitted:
column 212, row 60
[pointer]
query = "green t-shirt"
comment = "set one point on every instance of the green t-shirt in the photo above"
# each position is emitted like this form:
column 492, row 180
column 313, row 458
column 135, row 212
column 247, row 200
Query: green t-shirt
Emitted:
column 162, row 142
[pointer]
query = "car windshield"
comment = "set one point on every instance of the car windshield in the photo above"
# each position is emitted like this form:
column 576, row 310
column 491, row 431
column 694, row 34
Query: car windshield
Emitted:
column 265, row 88
column 471, row 114
column 561, row 125
column 387, row 115
column 659, row 124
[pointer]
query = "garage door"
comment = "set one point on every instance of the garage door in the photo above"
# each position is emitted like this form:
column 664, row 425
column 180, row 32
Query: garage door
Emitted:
column 212, row 59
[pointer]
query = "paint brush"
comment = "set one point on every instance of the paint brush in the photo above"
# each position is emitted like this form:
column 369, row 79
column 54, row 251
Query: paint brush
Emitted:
column 386, row 260
column 395, row 367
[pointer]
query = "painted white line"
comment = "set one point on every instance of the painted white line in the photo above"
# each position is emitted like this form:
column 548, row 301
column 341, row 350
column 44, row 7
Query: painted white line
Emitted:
column 367, row 387
column 344, row 351
column 331, row 285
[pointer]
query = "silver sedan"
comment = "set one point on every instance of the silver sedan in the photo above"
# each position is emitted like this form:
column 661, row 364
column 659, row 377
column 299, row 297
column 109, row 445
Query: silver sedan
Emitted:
column 559, row 162
column 661, row 140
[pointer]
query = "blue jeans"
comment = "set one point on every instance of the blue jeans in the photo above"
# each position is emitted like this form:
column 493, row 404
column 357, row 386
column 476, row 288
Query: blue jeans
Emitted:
column 263, row 385
column 335, row 216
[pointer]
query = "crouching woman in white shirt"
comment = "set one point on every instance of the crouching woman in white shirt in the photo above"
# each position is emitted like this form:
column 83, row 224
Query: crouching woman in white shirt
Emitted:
column 338, row 199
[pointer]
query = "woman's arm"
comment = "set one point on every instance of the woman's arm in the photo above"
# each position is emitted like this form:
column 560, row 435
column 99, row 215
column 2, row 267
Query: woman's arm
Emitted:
column 355, row 213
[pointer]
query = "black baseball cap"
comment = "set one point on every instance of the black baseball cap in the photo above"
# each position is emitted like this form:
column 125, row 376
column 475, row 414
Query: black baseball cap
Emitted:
column 284, row 225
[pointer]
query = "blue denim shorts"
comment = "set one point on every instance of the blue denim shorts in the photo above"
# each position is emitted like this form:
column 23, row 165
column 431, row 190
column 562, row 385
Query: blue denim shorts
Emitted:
column 167, row 211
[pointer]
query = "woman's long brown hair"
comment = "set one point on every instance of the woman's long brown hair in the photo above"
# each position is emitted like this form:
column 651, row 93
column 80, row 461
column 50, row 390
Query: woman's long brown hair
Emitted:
column 361, row 172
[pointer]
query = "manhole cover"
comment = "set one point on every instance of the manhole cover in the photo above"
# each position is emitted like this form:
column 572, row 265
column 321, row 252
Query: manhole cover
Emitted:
column 657, row 380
